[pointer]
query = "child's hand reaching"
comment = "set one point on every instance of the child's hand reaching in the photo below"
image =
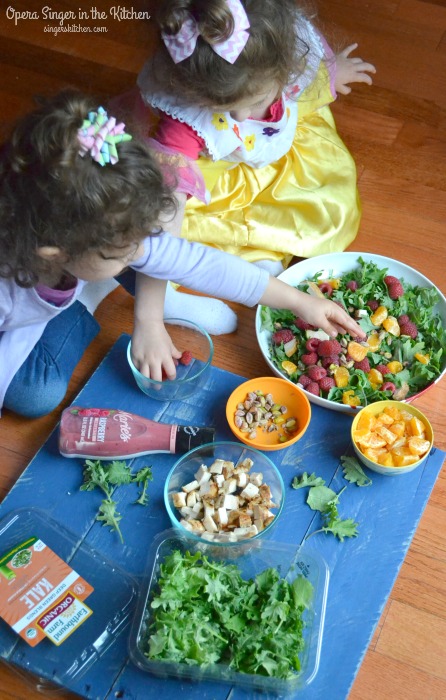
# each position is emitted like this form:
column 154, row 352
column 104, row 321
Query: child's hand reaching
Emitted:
column 153, row 352
column 329, row 317
column 351, row 70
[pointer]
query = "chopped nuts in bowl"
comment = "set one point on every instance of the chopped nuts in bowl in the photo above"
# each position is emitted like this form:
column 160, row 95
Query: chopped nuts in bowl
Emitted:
column 224, row 493
column 268, row 413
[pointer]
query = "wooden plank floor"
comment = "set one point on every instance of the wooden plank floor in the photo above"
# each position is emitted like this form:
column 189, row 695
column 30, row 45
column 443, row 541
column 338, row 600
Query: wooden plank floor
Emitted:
column 397, row 134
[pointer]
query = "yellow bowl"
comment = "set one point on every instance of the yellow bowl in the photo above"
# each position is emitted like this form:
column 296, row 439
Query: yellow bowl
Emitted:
column 375, row 409
column 285, row 394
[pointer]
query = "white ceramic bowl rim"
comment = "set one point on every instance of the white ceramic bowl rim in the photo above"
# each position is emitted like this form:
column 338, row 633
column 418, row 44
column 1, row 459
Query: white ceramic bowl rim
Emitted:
column 340, row 263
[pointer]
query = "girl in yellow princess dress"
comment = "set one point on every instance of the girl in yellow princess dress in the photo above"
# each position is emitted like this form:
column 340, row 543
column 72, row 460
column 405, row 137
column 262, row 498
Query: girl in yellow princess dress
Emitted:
column 241, row 92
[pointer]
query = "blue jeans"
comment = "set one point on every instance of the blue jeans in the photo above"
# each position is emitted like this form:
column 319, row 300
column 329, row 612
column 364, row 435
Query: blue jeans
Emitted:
column 41, row 382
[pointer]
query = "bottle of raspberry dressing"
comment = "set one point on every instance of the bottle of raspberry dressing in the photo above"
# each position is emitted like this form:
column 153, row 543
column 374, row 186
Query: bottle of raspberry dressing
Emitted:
column 103, row 433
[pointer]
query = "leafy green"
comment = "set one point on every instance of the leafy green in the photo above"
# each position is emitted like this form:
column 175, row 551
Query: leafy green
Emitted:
column 300, row 482
column 205, row 612
column 419, row 303
column 353, row 471
column 106, row 477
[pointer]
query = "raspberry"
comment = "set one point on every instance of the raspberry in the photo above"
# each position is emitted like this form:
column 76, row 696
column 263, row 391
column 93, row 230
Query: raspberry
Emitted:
column 394, row 287
column 383, row 369
column 363, row 364
column 313, row 388
column 304, row 380
column 403, row 319
column 186, row 358
column 312, row 344
column 390, row 279
column 326, row 289
column 326, row 383
column 388, row 386
column 409, row 329
column 302, row 325
column 352, row 285
column 372, row 304
column 316, row 373
column 309, row 359
column 330, row 360
column 329, row 347
column 282, row 336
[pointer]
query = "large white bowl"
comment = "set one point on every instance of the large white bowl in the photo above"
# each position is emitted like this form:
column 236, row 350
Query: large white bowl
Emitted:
column 334, row 265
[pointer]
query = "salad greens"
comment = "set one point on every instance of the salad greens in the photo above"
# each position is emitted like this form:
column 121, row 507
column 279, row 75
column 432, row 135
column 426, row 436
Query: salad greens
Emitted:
column 106, row 477
column 204, row 612
column 422, row 358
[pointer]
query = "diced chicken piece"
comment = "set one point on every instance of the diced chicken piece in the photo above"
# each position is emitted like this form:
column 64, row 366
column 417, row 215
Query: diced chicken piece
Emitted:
column 222, row 516
column 219, row 480
column 250, row 491
column 209, row 508
column 191, row 499
column 230, row 502
column 198, row 508
column 209, row 524
column 217, row 466
column 203, row 474
column 196, row 525
column 179, row 499
column 209, row 536
column 191, row 486
column 244, row 520
column 268, row 521
column 209, row 489
column 246, row 464
column 187, row 512
column 233, row 517
column 228, row 469
column 242, row 480
column 241, row 532
column 256, row 478
column 185, row 524
column 259, row 525
column 225, row 537
column 230, row 486
column 265, row 492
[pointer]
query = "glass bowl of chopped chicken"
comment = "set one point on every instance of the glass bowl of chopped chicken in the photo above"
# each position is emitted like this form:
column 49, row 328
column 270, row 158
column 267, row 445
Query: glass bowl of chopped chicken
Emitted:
column 268, row 413
column 224, row 493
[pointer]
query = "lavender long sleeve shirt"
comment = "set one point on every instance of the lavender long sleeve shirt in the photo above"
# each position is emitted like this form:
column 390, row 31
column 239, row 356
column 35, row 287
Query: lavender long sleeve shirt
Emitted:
column 24, row 314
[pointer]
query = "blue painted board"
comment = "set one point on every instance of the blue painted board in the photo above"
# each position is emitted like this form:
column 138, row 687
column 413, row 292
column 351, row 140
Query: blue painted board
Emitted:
column 387, row 517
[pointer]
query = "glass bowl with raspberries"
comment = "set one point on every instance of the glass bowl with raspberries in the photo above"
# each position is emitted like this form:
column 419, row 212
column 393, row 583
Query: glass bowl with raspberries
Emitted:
column 401, row 311
column 192, row 368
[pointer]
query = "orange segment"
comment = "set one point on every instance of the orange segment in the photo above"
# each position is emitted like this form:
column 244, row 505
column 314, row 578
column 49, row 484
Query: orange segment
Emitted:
column 392, row 326
column 379, row 315
column 375, row 377
column 424, row 359
column 289, row 366
column 418, row 446
column 341, row 377
column 373, row 341
column 366, row 421
column 357, row 351
column 394, row 367
column 392, row 411
column 349, row 398
column 417, row 427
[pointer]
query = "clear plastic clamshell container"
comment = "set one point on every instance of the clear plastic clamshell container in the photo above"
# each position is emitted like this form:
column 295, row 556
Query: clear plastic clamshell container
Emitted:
column 58, row 616
column 252, row 559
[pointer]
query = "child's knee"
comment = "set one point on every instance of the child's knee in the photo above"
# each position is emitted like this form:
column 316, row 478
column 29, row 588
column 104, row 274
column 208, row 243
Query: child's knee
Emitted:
column 37, row 400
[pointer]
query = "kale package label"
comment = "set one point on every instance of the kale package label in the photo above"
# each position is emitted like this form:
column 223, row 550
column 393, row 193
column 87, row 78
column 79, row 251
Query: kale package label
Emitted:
column 40, row 595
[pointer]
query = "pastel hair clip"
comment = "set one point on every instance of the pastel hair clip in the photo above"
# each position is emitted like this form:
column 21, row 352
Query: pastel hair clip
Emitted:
column 99, row 135
column 182, row 44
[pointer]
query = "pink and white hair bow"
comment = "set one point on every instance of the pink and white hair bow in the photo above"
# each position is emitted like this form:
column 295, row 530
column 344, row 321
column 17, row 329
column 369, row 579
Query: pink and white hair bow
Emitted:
column 182, row 44
column 99, row 135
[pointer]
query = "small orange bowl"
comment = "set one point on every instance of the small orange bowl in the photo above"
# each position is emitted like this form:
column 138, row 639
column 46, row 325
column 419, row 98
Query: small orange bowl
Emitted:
column 259, row 434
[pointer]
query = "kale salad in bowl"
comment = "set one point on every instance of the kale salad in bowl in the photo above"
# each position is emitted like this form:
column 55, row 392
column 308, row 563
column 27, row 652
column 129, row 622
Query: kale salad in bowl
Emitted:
column 401, row 311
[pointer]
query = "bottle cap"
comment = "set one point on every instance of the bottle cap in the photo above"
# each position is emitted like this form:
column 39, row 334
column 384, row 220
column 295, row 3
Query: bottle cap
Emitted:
column 189, row 436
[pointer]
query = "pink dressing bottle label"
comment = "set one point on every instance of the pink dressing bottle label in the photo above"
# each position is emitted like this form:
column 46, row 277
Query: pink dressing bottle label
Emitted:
column 98, row 433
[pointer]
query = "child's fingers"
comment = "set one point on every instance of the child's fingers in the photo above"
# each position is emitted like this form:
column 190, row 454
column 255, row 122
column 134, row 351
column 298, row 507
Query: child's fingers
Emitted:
column 348, row 49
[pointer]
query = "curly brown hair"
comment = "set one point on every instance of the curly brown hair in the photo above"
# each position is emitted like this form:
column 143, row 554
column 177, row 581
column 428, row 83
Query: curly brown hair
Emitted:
column 273, row 52
column 52, row 196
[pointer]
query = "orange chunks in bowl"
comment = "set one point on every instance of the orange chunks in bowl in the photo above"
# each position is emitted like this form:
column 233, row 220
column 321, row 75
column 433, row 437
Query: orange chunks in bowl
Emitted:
column 393, row 438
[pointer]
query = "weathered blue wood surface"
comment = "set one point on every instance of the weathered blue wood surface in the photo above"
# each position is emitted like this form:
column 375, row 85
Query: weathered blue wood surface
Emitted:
column 362, row 570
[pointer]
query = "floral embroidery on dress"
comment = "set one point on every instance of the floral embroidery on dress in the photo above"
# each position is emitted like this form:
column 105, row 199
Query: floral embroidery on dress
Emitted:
column 292, row 92
column 219, row 121
column 236, row 131
column 270, row 131
column 249, row 142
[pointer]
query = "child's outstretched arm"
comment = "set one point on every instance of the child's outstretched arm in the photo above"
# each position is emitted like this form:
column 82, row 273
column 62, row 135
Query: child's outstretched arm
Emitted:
column 322, row 313
column 152, row 347
column 351, row 70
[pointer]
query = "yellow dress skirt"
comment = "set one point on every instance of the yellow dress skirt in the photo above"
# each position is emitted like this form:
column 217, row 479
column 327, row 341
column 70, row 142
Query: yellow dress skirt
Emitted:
column 304, row 204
